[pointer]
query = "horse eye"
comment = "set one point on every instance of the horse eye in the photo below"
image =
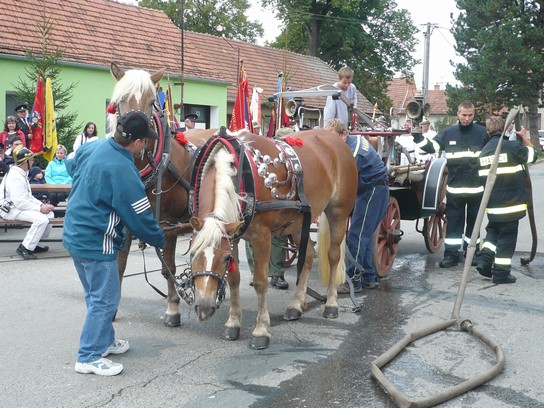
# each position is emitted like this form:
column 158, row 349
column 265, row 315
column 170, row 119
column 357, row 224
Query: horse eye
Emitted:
column 226, row 259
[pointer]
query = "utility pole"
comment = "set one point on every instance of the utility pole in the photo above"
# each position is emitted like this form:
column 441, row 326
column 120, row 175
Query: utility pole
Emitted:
column 425, row 85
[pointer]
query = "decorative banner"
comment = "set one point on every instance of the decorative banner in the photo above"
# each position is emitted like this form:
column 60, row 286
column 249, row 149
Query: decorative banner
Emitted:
column 241, row 118
column 255, row 107
column 272, row 125
column 169, row 111
column 36, row 119
column 50, row 140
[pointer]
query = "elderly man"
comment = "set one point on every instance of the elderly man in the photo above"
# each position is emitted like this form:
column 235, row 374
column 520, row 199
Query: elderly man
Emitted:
column 23, row 206
column 24, row 124
column 190, row 121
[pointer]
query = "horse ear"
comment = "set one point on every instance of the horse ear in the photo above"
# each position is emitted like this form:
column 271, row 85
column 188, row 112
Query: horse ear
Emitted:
column 117, row 71
column 156, row 77
column 196, row 224
column 232, row 228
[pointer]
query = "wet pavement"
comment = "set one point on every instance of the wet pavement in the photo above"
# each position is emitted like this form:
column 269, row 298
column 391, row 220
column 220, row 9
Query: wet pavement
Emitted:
column 313, row 362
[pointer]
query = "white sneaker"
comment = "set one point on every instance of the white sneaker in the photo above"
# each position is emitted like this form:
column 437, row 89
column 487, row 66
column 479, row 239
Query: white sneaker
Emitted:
column 117, row 347
column 99, row 367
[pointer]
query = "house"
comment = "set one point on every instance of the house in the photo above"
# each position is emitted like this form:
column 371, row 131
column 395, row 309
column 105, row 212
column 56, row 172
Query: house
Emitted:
column 402, row 90
column 93, row 33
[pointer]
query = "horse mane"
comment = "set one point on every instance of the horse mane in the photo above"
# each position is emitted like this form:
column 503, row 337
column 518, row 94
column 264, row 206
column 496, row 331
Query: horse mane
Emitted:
column 226, row 207
column 135, row 83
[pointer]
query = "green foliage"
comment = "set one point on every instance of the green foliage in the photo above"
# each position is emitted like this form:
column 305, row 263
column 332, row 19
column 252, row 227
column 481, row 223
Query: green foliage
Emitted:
column 215, row 17
column 445, row 122
column 46, row 64
column 501, row 41
column 375, row 38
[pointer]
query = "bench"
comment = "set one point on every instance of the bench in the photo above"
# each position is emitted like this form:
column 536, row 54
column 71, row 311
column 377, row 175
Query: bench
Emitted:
column 14, row 223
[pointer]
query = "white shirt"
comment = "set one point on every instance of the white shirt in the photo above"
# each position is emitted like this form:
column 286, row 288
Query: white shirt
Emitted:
column 338, row 109
column 18, row 192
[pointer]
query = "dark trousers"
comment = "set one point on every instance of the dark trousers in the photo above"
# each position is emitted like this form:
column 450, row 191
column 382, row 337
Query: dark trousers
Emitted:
column 458, row 210
column 499, row 246
column 370, row 207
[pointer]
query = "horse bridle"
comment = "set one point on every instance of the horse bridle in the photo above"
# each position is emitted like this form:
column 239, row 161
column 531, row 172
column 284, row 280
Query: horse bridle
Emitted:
column 221, row 278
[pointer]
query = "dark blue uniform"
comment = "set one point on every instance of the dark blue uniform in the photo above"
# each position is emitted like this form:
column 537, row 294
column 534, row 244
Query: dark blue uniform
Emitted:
column 462, row 145
column 370, row 206
column 507, row 205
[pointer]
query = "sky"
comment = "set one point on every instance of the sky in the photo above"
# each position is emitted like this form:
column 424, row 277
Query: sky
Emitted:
column 441, row 50
column 436, row 12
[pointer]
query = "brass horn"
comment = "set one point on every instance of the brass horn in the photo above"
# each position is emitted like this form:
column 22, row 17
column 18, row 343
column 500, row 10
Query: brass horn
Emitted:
column 413, row 110
column 290, row 108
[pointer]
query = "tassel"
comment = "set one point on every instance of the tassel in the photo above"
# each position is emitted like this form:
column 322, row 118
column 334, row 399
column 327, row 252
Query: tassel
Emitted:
column 293, row 141
column 231, row 267
column 180, row 137
column 112, row 109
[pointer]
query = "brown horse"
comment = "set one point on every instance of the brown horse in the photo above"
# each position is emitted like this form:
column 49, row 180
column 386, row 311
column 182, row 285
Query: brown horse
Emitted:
column 330, row 186
column 135, row 89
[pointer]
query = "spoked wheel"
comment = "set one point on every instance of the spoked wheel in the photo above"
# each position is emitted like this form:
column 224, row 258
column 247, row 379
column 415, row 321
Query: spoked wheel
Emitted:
column 291, row 252
column 434, row 227
column 386, row 239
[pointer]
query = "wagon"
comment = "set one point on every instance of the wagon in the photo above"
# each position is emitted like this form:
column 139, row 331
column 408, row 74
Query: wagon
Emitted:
column 417, row 190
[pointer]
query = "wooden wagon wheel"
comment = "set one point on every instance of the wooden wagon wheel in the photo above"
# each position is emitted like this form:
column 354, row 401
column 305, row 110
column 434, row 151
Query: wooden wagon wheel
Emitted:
column 291, row 252
column 386, row 239
column 434, row 227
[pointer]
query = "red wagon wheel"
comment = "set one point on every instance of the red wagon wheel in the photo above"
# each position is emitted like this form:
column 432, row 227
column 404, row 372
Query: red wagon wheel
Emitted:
column 434, row 227
column 386, row 239
column 291, row 252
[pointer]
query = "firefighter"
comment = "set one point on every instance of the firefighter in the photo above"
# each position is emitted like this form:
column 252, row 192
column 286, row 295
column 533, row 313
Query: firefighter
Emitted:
column 462, row 144
column 507, row 202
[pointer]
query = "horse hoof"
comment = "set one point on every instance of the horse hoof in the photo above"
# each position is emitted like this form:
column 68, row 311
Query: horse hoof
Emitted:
column 172, row 320
column 292, row 314
column 259, row 343
column 331, row 312
column 231, row 333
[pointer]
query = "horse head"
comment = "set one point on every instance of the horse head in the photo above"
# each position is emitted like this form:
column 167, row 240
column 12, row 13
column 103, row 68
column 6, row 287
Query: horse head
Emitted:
column 214, row 226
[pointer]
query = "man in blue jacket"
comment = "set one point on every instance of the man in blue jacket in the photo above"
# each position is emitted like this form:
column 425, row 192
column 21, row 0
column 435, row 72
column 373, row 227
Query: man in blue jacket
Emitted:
column 107, row 195
column 370, row 207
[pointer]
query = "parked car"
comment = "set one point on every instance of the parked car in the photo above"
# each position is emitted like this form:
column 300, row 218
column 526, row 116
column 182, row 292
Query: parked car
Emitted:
column 541, row 138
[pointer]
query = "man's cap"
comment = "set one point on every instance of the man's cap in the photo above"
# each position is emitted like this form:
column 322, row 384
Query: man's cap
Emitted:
column 425, row 120
column 284, row 131
column 382, row 119
column 21, row 108
column 135, row 125
column 21, row 154
column 191, row 116
column 256, row 124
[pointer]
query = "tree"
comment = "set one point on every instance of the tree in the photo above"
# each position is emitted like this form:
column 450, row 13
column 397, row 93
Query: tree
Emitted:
column 501, row 41
column 215, row 17
column 46, row 64
column 372, row 37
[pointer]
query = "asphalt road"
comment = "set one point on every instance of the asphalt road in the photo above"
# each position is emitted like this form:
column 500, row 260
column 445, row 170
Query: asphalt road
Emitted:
column 314, row 362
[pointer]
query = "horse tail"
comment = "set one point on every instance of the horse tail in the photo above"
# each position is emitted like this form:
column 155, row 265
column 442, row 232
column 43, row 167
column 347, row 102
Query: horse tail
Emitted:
column 324, row 244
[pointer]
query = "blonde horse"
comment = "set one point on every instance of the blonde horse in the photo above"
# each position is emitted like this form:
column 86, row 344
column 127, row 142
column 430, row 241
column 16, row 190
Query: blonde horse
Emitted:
column 135, row 89
column 329, row 182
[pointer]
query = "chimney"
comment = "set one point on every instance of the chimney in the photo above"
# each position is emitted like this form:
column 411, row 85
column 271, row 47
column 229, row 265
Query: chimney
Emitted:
column 437, row 87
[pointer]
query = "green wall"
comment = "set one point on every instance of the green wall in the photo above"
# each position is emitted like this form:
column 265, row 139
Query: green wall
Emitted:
column 95, row 86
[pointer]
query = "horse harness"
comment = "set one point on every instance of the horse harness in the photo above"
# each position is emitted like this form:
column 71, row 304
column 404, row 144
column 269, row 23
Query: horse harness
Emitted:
column 250, row 164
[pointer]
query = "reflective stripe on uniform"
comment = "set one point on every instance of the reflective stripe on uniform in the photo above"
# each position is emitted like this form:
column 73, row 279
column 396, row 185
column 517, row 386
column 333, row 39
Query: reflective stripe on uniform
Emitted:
column 467, row 240
column 503, row 261
column 507, row 210
column 464, row 190
column 531, row 154
column 453, row 241
column 502, row 170
column 461, row 155
column 490, row 246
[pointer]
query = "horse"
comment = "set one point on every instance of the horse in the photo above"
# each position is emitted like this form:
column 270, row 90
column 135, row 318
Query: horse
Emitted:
column 168, row 195
column 317, row 173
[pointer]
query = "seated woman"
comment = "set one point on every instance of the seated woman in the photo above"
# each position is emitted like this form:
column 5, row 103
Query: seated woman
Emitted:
column 56, row 173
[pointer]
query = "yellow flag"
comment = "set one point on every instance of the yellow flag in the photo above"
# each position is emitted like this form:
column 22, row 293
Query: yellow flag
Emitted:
column 50, row 142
